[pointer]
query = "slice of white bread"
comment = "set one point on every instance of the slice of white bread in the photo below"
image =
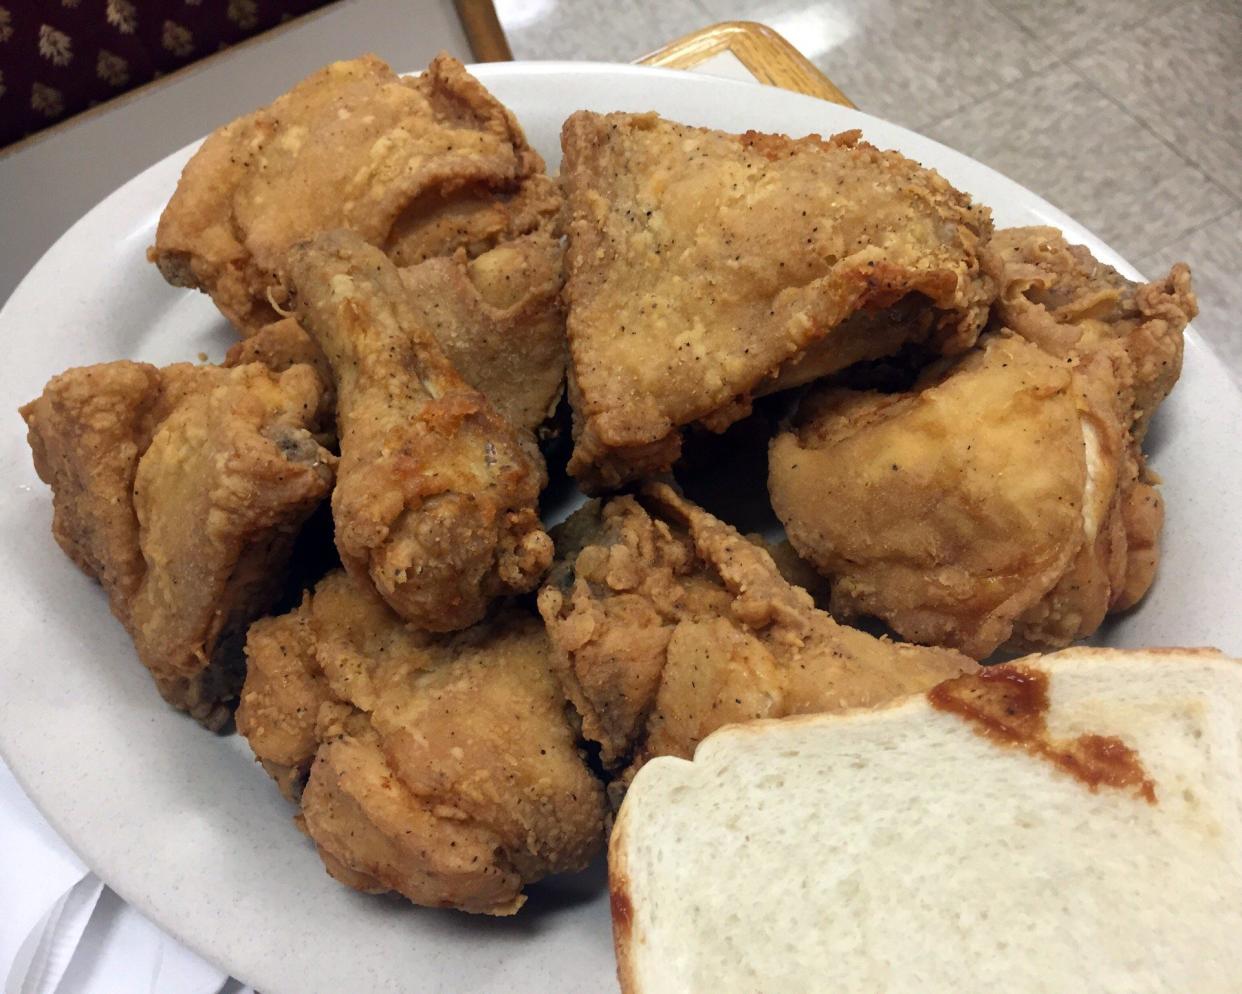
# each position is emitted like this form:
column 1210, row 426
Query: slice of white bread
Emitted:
column 902, row 849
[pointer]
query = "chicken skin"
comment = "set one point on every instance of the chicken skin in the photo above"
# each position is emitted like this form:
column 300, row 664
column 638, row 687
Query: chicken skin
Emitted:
column 132, row 454
column 668, row 624
column 1003, row 502
column 1061, row 298
column 440, row 767
column 499, row 319
column 436, row 498
column 704, row 268
column 419, row 166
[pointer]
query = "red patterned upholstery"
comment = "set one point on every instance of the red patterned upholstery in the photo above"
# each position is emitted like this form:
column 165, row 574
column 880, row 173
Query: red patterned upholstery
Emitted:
column 58, row 57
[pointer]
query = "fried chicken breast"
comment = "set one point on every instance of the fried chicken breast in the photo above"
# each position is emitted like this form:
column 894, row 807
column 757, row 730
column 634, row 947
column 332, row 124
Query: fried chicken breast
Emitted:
column 1004, row 501
column 440, row 767
column 418, row 166
column 703, row 266
column 181, row 490
column 436, row 497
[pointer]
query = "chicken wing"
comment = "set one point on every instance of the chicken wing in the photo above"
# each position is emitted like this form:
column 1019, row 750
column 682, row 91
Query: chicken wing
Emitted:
column 419, row 166
column 702, row 266
column 436, row 498
column 441, row 767
column 132, row 453
column 668, row 624
column 1005, row 500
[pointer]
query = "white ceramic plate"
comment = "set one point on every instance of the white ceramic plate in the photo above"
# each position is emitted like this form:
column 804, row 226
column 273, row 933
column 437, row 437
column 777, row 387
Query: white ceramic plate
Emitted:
column 183, row 824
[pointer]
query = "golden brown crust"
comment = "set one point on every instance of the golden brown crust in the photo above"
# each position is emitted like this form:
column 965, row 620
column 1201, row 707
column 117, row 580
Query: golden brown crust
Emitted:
column 444, row 767
column 354, row 146
column 499, row 320
column 912, row 502
column 1066, row 301
column 668, row 624
column 284, row 689
column 701, row 263
column 132, row 454
column 436, row 502
column 990, row 506
column 475, row 219
column 87, row 431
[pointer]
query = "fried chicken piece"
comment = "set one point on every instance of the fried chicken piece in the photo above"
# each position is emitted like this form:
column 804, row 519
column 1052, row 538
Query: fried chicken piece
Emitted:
column 134, row 454
column 1066, row 302
column 500, row 322
column 948, row 511
column 1004, row 501
column 441, row 767
column 280, row 700
column 668, row 624
column 475, row 219
column 498, row 318
column 421, row 166
column 436, row 498
column 996, row 504
column 282, row 345
column 702, row 267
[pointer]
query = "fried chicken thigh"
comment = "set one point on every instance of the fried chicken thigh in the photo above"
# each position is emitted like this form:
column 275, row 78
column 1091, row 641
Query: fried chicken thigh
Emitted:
column 418, row 166
column 1004, row 501
column 181, row 490
column 702, row 268
column 441, row 767
column 436, row 497
column 668, row 624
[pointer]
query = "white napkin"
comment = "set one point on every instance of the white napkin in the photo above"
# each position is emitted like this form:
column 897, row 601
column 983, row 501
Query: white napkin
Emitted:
column 62, row 930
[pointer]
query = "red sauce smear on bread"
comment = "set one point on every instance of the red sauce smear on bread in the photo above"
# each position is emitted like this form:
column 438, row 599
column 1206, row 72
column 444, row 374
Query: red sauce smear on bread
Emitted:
column 1010, row 705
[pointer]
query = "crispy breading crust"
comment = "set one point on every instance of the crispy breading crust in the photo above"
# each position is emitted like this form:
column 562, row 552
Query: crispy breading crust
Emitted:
column 436, row 502
column 701, row 263
column 668, row 624
column 182, row 490
column 428, row 163
column 1004, row 501
column 441, row 767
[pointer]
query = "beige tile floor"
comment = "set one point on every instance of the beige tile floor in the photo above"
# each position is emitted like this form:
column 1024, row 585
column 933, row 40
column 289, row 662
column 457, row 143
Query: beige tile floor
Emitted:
column 1127, row 114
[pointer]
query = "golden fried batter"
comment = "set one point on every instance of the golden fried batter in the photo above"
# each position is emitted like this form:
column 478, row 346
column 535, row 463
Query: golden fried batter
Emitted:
column 948, row 511
column 440, row 767
column 1004, row 501
column 668, row 624
column 182, row 490
column 499, row 320
column 701, row 265
column 436, row 498
column 421, row 166
column 1065, row 301
column 475, row 218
